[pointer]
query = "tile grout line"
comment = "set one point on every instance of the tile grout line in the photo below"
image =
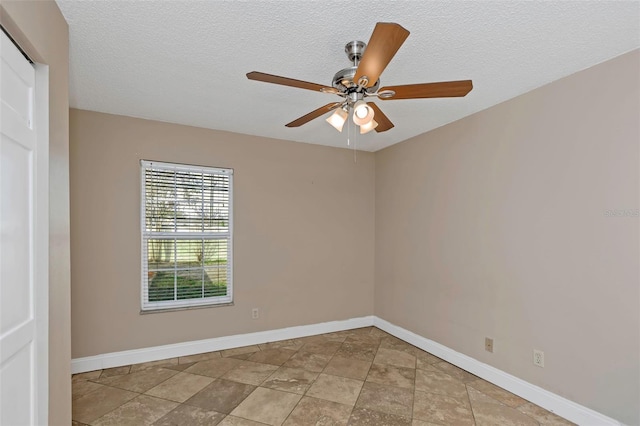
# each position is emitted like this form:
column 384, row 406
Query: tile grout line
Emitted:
column 415, row 377
column 473, row 414
column 365, row 379
column 325, row 367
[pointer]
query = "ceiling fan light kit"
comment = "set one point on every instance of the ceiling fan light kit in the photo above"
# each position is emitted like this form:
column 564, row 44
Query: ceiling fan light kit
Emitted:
column 361, row 81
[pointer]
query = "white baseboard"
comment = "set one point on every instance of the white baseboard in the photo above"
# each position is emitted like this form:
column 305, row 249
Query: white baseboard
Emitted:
column 545, row 399
column 136, row 356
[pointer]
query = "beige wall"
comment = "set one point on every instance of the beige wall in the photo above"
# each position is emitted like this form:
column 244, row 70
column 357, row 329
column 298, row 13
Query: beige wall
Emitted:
column 304, row 232
column 495, row 226
column 40, row 29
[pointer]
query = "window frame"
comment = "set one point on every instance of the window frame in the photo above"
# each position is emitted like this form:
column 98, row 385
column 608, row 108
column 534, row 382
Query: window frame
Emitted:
column 169, row 305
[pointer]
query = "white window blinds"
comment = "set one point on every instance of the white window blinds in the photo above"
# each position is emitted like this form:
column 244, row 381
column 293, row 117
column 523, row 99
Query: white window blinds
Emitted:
column 187, row 235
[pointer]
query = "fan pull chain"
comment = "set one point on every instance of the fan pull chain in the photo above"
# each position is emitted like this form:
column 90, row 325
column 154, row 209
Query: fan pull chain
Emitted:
column 355, row 143
column 355, row 140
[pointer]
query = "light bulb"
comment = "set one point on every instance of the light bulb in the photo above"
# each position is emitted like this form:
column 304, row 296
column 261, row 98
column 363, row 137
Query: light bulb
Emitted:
column 362, row 113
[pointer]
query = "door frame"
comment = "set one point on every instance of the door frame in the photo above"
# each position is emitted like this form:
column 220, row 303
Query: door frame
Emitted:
column 41, row 243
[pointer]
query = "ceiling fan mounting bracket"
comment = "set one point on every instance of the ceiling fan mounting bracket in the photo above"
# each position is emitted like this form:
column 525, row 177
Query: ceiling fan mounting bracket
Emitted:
column 354, row 50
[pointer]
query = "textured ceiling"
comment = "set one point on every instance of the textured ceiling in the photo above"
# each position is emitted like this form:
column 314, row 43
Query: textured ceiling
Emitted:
column 185, row 62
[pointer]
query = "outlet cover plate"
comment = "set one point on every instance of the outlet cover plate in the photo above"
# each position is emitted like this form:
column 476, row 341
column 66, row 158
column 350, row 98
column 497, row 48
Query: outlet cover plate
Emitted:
column 488, row 344
column 538, row 358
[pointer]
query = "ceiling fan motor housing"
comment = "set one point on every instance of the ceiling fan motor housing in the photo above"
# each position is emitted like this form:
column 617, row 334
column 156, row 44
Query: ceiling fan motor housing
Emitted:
column 343, row 81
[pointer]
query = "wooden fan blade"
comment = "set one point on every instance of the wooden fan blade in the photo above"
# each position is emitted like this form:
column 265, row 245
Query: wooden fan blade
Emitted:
column 284, row 81
column 384, row 43
column 384, row 123
column 314, row 114
column 445, row 89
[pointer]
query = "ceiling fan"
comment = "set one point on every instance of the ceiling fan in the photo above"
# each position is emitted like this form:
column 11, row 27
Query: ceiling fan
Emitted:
column 360, row 81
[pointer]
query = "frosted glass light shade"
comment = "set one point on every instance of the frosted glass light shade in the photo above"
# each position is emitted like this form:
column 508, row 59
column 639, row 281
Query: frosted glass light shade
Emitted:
column 366, row 128
column 337, row 119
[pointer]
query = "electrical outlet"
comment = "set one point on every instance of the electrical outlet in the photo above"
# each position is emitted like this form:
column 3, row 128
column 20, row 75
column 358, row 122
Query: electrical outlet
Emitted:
column 488, row 344
column 538, row 358
column 255, row 313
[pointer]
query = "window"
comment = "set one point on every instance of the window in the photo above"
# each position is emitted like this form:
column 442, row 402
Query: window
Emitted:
column 187, row 235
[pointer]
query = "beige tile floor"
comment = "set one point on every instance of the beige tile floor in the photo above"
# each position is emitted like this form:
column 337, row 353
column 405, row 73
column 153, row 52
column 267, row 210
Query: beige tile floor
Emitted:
column 356, row 377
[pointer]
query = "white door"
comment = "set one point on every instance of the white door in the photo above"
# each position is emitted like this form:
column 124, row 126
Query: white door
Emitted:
column 23, row 243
